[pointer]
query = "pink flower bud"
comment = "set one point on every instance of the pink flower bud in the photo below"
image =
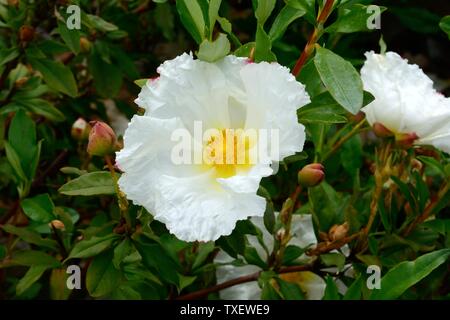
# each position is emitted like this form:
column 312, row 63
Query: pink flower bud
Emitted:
column 406, row 140
column 381, row 131
column 102, row 139
column 311, row 175
column 80, row 130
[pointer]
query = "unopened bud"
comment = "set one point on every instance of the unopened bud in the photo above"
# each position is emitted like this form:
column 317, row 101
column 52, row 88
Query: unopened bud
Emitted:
column 280, row 235
column 80, row 129
column 338, row 231
column 311, row 175
column 85, row 45
column 102, row 139
column 406, row 140
column 416, row 165
column 286, row 210
column 26, row 33
column 381, row 131
column 57, row 224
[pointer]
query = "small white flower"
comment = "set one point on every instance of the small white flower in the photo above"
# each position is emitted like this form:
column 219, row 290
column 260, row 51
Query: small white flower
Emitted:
column 405, row 100
column 303, row 236
column 204, row 202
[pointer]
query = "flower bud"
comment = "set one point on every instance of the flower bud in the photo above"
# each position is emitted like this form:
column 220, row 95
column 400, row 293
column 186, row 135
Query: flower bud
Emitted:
column 381, row 131
column 26, row 33
column 57, row 224
column 406, row 140
column 102, row 139
column 85, row 45
column 13, row 3
column 311, row 175
column 80, row 130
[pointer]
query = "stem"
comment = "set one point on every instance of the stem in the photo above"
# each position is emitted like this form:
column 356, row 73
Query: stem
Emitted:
column 332, row 246
column 429, row 209
column 317, row 33
column 344, row 139
column 60, row 242
column 248, row 278
column 121, row 199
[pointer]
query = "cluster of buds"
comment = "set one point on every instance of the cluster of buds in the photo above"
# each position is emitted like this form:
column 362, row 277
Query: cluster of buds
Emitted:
column 101, row 138
column 311, row 175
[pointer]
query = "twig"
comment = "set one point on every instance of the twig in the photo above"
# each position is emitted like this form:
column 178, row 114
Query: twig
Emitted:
column 53, row 166
column 327, row 247
column 322, row 17
column 344, row 139
column 429, row 209
column 248, row 278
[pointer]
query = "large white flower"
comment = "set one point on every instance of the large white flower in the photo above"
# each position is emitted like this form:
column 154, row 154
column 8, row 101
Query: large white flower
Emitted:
column 302, row 236
column 405, row 100
column 204, row 201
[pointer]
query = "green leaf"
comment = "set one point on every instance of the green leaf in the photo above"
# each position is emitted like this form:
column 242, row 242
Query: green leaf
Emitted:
column 39, row 208
column 7, row 55
column 204, row 250
column 14, row 161
column 213, row 13
column 252, row 257
column 322, row 109
column 310, row 77
column 125, row 292
column 33, row 274
column 185, row 281
column 333, row 259
column 353, row 18
column 89, row 184
column 263, row 47
column 245, row 50
column 433, row 163
column 191, row 16
column 34, row 258
column 445, row 25
column 286, row 16
column 121, row 251
column 22, row 138
column 100, row 24
column 341, row 79
column 331, row 291
column 102, row 277
column 309, row 6
column 269, row 217
column 327, row 206
column 30, row 236
column 58, row 285
column 215, row 50
column 290, row 291
column 354, row 291
column 92, row 246
column 43, row 108
column 155, row 258
column 71, row 37
column 263, row 10
column 140, row 82
column 56, row 75
column 406, row 274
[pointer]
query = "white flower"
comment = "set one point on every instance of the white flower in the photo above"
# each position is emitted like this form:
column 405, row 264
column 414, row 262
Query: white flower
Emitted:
column 405, row 100
column 303, row 236
column 204, row 202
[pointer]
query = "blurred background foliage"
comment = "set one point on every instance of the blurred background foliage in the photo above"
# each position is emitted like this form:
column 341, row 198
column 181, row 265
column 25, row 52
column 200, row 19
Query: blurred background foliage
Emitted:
column 50, row 76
